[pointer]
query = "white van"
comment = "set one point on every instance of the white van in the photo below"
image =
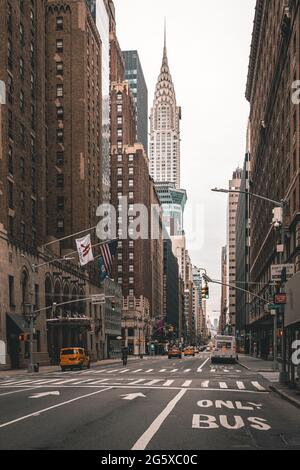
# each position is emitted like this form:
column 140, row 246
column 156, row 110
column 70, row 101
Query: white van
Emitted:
column 224, row 348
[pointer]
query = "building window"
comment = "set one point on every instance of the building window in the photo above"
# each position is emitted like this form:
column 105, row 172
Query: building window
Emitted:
column 10, row 160
column 23, row 232
column 60, row 225
column 120, row 133
column 131, row 183
column 131, row 158
column 11, row 287
column 21, row 34
column 60, row 203
column 131, row 268
column 119, row 108
column 120, row 171
column 131, row 170
column 22, row 199
column 33, row 211
column 59, row 68
column 131, row 195
column 60, row 181
column 120, row 120
column 60, row 158
column 21, row 63
column 60, row 136
column 59, row 23
column 10, row 195
column 9, row 53
column 120, row 158
column 59, row 91
column 22, row 167
column 60, row 113
column 59, row 45
column 120, row 183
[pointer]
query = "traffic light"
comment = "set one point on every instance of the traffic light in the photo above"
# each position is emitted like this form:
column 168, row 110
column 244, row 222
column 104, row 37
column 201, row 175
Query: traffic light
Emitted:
column 205, row 292
column 24, row 337
column 113, row 306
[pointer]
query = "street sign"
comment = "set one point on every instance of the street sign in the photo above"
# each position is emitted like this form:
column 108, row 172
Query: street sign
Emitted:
column 276, row 271
column 98, row 299
column 280, row 299
column 273, row 307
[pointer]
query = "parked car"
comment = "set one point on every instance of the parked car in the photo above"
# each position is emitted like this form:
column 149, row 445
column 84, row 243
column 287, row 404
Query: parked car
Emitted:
column 71, row 358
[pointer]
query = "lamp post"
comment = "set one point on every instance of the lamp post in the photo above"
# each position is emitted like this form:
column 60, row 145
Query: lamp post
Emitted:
column 282, row 204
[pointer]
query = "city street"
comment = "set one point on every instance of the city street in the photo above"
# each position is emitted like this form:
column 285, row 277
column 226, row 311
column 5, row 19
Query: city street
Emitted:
column 151, row 404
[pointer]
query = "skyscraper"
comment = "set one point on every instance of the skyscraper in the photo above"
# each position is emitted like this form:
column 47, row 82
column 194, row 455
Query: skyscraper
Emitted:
column 165, row 129
column 135, row 76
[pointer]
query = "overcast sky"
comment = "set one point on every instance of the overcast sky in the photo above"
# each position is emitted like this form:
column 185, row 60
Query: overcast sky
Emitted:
column 208, row 48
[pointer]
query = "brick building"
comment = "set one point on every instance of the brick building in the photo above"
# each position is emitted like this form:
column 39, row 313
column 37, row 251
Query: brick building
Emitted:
column 274, row 116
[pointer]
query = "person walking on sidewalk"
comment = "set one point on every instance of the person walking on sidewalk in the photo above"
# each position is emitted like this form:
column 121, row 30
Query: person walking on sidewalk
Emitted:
column 124, row 355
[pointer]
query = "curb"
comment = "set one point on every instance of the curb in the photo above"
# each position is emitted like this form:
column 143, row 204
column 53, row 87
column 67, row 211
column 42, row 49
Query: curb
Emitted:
column 285, row 396
column 245, row 367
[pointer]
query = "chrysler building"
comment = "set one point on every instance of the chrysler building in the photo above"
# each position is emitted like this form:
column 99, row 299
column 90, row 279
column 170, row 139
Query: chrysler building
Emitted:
column 165, row 129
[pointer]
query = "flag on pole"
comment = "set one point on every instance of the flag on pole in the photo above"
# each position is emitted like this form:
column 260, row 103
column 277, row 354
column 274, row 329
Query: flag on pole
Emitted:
column 102, row 270
column 84, row 248
column 108, row 253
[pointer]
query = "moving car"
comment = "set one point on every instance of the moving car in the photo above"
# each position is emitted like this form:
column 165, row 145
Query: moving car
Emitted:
column 174, row 352
column 71, row 358
column 224, row 349
column 189, row 351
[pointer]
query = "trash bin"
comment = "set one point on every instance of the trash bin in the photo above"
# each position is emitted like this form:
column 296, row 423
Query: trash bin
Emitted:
column 36, row 367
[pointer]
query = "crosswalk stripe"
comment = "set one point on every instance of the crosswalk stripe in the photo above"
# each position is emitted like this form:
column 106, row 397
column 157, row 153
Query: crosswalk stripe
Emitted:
column 223, row 385
column 148, row 371
column 205, row 384
column 63, row 382
column 152, row 382
column 258, row 386
column 136, row 371
column 174, row 370
column 168, row 383
column 187, row 383
column 99, row 381
column 112, row 371
column 136, row 382
column 187, row 370
column 80, row 382
column 123, row 371
column 212, row 370
column 163, row 370
column 241, row 386
column 18, row 382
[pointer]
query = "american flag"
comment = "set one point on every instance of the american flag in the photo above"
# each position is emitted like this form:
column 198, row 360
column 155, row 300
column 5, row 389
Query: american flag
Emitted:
column 108, row 252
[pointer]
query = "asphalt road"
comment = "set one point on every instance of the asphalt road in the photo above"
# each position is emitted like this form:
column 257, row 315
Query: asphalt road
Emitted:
column 152, row 404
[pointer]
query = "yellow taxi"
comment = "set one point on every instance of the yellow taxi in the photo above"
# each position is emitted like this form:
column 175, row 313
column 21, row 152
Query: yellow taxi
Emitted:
column 174, row 352
column 71, row 358
column 189, row 351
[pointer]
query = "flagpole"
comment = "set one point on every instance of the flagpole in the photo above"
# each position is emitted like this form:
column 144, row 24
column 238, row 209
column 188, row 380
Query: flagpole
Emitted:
column 69, row 236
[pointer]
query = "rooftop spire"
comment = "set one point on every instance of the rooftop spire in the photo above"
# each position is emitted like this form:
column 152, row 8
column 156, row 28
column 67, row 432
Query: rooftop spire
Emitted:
column 165, row 37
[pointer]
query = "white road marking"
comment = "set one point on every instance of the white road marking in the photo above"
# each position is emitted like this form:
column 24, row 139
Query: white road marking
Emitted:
column 168, row 383
column 63, row 382
column 36, row 413
column 212, row 370
column 223, row 385
column 99, row 382
column 174, row 370
column 18, row 382
column 149, row 370
column 241, row 385
column 45, row 394
column 136, row 371
column 258, row 386
column 144, row 440
column 163, row 370
column 44, row 382
column 205, row 384
column 80, row 382
column 133, row 396
column 202, row 365
column 153, row 382
column 17, row 391
column 137, row 382
column 112, row 371
column 187, row 383
column 187, row 370
column 123, row 371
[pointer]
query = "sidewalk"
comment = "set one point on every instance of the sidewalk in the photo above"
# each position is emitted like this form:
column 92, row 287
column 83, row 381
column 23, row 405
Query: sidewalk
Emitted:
column 265, row 368
column 46, row 369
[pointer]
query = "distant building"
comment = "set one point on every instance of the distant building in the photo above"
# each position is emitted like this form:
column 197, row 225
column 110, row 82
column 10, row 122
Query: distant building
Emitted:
column 171, row 288
column 135, row 76
column 233, row 198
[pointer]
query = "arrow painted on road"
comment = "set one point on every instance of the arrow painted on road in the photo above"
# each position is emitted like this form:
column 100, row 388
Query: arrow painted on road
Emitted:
column 45, row 394
column 133, row 396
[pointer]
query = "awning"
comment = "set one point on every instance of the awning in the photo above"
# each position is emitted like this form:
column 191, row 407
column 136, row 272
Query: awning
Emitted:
column 18, row 322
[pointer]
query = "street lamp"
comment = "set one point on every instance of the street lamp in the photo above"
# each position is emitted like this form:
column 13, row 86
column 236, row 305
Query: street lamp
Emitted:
column 282, row 204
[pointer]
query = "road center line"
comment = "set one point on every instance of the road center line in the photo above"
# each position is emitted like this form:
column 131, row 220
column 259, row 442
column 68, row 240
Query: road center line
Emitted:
column 36, row 413
column 144, row 440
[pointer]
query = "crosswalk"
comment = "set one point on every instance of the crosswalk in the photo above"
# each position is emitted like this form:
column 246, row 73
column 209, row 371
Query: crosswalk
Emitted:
column 140, row 382
column 214, row 370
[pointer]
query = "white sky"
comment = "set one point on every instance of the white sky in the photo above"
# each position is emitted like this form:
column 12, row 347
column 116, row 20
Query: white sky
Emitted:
column 208, row 49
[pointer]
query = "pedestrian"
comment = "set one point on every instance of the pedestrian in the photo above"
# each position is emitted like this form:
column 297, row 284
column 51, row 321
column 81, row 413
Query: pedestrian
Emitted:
column 124, row 355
